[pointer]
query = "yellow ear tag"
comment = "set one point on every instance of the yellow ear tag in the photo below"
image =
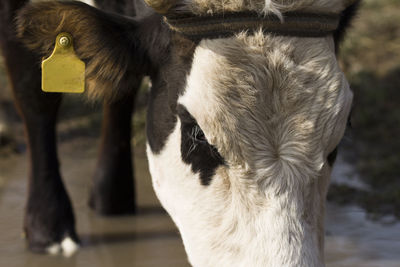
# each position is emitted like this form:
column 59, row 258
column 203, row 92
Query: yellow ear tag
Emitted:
column 63, row 71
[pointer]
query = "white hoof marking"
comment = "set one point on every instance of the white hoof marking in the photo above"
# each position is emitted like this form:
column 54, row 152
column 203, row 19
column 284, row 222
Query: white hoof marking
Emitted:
column 54, row 249
column 67, row 247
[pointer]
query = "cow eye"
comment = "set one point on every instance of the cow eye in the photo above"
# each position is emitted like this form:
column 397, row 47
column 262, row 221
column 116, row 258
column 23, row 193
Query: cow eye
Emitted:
column 194, row 140
column 197, row 134
column 203, row 157
column 190, row 128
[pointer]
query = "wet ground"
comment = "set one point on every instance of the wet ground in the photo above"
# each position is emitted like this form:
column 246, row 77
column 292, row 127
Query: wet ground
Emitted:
column 150, row 238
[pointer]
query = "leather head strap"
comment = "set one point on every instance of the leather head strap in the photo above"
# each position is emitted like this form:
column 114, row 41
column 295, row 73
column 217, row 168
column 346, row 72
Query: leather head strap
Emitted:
column 300, row 24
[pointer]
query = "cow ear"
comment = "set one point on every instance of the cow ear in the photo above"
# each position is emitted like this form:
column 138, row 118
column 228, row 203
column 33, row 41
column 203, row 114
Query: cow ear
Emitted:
column 107, row 43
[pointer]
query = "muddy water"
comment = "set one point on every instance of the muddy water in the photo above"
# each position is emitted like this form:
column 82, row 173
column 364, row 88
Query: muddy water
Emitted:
column 151, row 239
column 351, row 238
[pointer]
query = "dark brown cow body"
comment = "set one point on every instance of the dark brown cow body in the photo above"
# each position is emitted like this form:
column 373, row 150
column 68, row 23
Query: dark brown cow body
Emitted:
column 49, row 217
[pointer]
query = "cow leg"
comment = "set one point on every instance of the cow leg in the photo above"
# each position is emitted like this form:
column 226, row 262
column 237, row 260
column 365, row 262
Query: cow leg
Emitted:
column 113, row 187
column 49, row 218
column 49, row 221
column 113, row 191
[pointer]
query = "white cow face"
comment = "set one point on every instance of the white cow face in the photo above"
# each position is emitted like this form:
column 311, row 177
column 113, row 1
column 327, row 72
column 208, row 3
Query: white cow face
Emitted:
column 244, row 170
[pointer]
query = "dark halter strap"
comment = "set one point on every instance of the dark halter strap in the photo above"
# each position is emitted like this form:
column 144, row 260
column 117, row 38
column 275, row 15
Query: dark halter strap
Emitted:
column 297, row 24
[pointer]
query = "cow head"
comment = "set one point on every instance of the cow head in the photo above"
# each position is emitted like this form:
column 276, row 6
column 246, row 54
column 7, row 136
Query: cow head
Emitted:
column 243, row 163
column 240, row 129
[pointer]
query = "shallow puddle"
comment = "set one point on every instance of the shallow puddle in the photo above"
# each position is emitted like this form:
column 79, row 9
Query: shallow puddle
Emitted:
column 150, row 238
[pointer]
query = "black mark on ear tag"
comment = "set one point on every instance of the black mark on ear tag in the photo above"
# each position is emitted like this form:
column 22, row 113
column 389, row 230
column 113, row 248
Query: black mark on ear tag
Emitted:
column 63, row 71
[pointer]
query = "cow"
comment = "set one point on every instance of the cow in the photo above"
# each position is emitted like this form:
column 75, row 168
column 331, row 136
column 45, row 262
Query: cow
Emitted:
column 49, row 222
column 247, row 107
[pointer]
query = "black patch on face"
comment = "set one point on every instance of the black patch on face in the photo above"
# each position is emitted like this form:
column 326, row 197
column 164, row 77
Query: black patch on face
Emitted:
column 169, row 80
column 332, row 157
column 345, row 21
column 195, row 149
column 160, row 119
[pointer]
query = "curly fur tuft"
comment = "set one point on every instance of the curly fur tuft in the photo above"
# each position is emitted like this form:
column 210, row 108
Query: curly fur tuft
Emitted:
column 105, row 42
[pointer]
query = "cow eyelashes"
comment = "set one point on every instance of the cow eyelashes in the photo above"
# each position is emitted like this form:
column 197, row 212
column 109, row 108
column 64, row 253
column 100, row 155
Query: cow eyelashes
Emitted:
column 196, row 138
column 197, row 134
column 193, row 136
column 190, row 126
column 196, row 151
column 199, row 140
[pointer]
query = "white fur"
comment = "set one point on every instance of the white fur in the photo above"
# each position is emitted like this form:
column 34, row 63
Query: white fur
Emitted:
column 275, row 107
column 67, row 247
column 54, row 249
column 89, row 2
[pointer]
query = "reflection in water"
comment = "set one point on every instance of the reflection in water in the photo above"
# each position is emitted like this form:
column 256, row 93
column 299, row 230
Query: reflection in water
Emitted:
column 150, row 238
column 353, row 240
